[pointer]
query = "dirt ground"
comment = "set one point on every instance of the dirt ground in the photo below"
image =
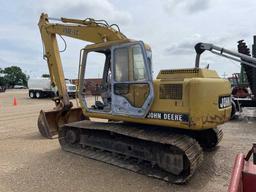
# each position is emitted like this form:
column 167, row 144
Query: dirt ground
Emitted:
column 29, row 162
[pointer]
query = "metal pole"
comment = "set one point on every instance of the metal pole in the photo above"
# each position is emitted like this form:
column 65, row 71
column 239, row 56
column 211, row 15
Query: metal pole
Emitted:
column 254, row 46
column 254, row 153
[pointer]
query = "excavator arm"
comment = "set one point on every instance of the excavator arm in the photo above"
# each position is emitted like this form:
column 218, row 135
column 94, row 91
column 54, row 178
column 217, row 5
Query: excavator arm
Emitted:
column 235, row 56
column 95, row 31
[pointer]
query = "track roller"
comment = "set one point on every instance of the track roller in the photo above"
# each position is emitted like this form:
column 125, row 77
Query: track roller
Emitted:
column 208, row 139
column 150, row 151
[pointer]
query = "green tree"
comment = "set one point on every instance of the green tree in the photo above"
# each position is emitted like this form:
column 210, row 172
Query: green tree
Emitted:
column 2, row 79
column 14, row 76
column 45, row 75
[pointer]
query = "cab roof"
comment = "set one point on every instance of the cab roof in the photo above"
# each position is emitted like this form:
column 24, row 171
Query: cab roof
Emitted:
column 109, row 44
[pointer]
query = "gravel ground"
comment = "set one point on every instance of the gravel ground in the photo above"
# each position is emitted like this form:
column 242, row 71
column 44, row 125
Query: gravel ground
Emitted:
column 29, row 162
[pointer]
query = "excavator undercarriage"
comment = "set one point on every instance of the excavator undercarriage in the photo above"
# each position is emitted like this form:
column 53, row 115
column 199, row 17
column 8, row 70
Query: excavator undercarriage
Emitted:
column 158, row 152
column 172, row 155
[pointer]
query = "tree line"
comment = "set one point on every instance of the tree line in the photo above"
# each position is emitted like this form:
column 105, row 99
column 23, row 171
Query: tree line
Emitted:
column 11, row 76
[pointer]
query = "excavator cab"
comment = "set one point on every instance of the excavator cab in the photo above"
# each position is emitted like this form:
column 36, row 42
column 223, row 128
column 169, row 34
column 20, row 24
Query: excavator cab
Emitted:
column 126, row 87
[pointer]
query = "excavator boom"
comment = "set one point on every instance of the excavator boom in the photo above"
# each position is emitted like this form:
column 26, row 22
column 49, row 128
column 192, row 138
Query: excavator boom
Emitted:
column 87, row 30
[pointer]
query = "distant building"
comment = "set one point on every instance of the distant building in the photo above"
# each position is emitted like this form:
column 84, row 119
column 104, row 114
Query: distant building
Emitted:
column 91, row 86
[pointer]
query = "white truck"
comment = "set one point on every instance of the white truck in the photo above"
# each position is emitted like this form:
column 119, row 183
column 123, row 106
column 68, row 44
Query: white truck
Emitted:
column 42, row 87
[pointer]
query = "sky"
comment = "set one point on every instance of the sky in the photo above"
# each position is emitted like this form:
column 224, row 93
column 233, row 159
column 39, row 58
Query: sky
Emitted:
column 170, row 27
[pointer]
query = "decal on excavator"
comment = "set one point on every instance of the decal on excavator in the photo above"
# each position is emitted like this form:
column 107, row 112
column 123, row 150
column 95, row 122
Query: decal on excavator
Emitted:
column 168, row 116
column 70, row 31
column 224, row 102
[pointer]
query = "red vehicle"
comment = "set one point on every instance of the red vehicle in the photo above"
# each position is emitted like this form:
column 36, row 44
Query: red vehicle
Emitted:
column 239, row 89
column 243, row 177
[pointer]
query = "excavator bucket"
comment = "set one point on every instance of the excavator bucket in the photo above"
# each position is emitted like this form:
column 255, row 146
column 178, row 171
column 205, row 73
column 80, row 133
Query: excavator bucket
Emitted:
column 49, row 122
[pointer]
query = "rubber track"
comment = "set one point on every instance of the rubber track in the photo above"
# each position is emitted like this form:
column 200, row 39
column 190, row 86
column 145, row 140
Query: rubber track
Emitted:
column 187, row 144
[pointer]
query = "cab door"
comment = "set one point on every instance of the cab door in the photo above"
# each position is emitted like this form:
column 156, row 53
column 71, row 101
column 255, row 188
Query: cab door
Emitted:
column 132, row 83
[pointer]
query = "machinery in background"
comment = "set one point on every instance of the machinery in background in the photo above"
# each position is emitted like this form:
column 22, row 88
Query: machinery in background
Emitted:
column 244, row 83
column 247, row 78
column 244, row 173
column 154, row 127
column 248, row 63
column 239, row 84
column 42, row 87
column 71, row 88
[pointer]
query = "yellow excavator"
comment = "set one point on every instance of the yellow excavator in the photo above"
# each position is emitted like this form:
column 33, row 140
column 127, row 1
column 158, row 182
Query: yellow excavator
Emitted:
column 155, row 127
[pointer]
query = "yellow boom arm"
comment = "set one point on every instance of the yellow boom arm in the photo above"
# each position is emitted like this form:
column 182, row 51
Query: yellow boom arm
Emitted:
column 86, row 30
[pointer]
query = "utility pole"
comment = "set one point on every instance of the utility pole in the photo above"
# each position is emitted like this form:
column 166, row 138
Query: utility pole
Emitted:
column 224, row 75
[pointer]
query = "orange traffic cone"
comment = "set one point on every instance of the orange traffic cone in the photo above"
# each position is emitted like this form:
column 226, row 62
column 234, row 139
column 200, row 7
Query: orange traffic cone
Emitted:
column 14, row 101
